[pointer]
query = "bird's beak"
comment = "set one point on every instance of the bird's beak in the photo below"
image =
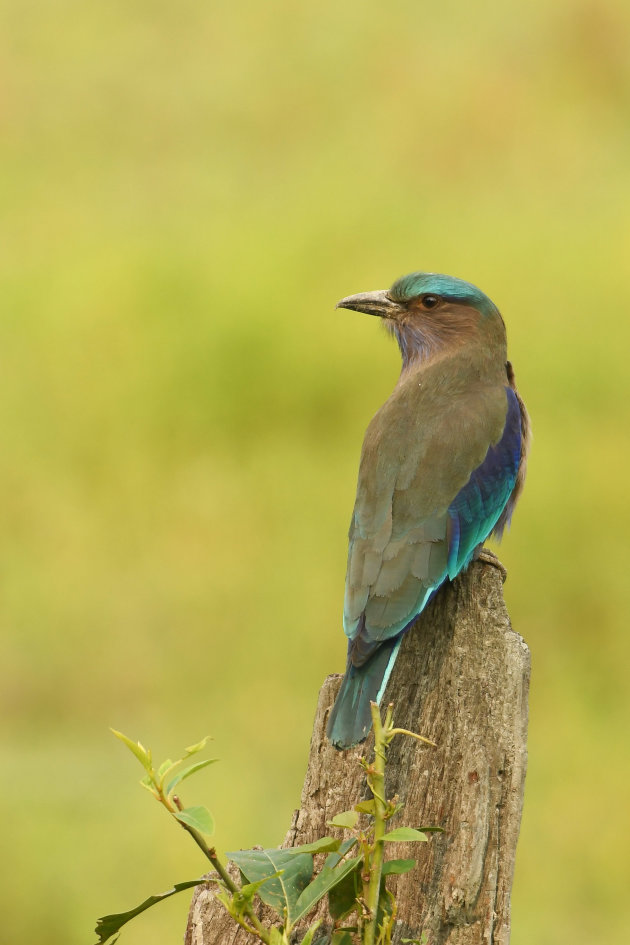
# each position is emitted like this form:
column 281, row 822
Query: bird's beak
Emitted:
column 372, row 303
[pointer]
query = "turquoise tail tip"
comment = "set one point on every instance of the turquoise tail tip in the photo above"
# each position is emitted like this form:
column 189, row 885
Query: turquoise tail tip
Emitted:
column 350, row 719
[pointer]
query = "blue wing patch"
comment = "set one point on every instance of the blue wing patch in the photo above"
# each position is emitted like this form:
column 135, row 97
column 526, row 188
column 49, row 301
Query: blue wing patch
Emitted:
column 477, row 507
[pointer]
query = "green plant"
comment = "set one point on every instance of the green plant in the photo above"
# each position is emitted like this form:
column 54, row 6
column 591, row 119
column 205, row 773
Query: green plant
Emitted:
column 352, row 876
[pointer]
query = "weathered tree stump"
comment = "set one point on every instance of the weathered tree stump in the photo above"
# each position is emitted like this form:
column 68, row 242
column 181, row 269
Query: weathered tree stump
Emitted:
column 461, row 679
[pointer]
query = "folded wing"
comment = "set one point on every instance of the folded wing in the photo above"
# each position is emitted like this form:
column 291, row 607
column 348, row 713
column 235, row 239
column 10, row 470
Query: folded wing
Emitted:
column 410, row 533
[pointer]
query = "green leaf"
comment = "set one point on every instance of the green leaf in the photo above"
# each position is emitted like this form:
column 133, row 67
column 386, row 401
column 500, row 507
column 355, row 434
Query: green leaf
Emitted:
column 342, row 937
column 243, row 896
column 347, row 845
column 322, row 845
column 164, row 767
column 365, row 807
column 308, row 938
column 401, row 834
column 186, row 773
column 326, row 880
column 432, row 829
column 397, row 866
column 224, row 897
column 342, row 898
column 333, row 858
column 199, row 818
column 276, row 937
column 385, row 913
column 148, row 783
column 284, row 891
column 347, row 818
column 109, row 925
column 250, row 889
column 193, row 749
column 141, row 753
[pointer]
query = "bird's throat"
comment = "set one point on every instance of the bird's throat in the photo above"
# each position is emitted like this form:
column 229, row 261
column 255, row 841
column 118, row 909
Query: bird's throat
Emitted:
column 415, row 345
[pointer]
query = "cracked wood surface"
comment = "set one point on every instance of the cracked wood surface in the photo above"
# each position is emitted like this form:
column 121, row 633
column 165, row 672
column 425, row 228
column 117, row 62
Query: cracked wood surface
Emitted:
column 461, row 679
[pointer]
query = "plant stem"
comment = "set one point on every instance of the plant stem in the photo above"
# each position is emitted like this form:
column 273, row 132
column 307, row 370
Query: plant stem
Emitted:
column 405, row 731
column 211, row 854
column 376, row 781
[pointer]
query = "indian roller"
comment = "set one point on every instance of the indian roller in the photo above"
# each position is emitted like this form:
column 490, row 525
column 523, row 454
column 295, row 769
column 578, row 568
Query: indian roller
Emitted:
column 442, row 465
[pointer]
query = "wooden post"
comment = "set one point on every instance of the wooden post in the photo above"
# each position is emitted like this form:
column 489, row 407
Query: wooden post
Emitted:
column 461, row 679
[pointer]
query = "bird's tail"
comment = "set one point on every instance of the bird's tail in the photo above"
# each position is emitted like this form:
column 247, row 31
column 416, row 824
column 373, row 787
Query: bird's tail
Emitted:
column 351, row 718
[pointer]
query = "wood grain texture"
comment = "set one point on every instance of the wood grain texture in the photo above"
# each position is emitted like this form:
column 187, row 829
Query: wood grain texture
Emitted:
column 461, row 679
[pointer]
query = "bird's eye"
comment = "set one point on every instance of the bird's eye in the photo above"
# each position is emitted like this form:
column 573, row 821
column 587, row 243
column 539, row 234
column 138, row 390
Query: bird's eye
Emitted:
column 430, row 301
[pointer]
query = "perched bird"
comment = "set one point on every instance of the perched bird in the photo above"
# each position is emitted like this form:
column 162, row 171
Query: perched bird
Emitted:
column 442, row 465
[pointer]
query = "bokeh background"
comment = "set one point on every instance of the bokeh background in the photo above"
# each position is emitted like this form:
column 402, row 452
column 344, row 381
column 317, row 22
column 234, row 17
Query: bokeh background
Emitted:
column 187, row 189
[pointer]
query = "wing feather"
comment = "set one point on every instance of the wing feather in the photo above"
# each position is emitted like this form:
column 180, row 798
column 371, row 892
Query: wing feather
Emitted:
column 405, row 542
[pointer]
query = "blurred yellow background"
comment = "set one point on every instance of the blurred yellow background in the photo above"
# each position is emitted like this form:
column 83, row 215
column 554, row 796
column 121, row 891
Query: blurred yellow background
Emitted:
column 188, row 188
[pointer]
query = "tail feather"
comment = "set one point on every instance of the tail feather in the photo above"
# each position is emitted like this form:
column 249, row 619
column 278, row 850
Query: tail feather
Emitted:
column 351, row 718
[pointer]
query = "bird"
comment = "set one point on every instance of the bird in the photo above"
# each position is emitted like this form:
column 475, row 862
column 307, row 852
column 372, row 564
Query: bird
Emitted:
column 442, row 465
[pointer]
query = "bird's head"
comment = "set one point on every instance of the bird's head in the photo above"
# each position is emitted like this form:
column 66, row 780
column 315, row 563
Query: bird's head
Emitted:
column 428, row 312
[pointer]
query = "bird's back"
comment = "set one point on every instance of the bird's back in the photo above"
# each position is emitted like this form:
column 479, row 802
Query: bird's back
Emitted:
column 419, row 452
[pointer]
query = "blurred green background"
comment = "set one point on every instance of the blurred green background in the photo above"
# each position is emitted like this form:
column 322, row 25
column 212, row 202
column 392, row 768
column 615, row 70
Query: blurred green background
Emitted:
column 187, row 189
